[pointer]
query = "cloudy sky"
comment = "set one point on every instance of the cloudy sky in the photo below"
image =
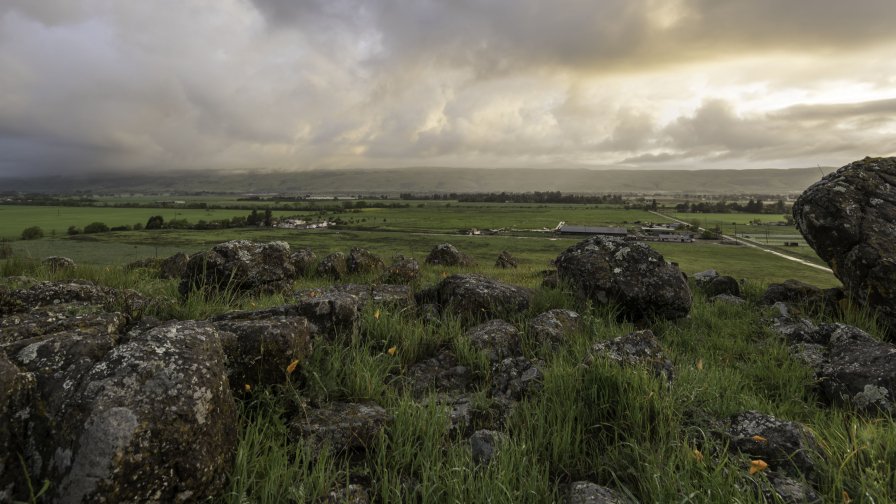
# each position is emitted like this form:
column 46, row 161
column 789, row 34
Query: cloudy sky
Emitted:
column 90, row 85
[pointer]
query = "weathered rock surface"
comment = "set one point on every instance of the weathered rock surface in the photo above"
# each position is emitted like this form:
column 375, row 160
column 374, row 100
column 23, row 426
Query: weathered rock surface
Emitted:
column 728, row 299
column 641, row 349
column 362, row 261
column 631, row 275
column 441, row 373
column 77, row 293
column 403, row 270
column 446, row 254
column 858, row 370
column 340, row 426
column 786, row 446
column 506, row 260
column 485, row 445
column 515, row 377
column 333, row 266
column 496, row 338
column 722, row 285
column 240, row 266
column 477, row 297
column 174, row 266
column 303, row 260
column 16, row 396
column 58, row 263
column 848, row 218
column 703, row 278
column 793, row 292
column 586, row 492
column 349, row 494
column 259, row 351
column 790, row 490
column 553, row 326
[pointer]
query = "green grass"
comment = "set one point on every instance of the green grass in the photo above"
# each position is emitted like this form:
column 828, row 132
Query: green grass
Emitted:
column 619, row 427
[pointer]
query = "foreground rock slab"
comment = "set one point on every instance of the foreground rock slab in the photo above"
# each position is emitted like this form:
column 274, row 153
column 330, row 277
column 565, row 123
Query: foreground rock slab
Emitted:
column 340, row 426
column 240, row 266
column 788, row 446
column 641, row 348
column 630, row 275
column 847, row 217
column 477, row 297
column 446, row 254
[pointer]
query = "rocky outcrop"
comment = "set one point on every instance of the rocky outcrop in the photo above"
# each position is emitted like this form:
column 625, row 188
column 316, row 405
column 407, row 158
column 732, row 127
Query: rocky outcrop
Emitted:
column 362, row 261
column 174, row 266
column 639, row 349
column 788, row 446
column 585, row 492
column 505, row 260
column 442, row 374
column 553, row 326
column 403, row 270
column 239, row 266
column 515, row 377
column 632, row 276
column 446, row 254
column 847, row 217
column 722, row 285
column 477, row 297
column 333, row 266
column 303, row 260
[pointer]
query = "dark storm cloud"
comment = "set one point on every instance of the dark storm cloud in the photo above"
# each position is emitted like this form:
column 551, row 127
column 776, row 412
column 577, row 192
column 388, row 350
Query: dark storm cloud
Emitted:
column 90, row 84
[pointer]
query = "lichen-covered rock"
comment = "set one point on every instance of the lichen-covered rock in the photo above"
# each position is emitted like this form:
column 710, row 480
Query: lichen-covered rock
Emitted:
column 441, row 373
column 703, row 278
column 44, row 320
column 403, row 270
column 146, row 263
column 58, row 263
column 174, row 266
column 446, row 254
column 16, row 396
column 496, row 338
column 485, row 445
column 515, row 377
column 858, row 370
column 722, row 285
column 639, row 348
column 333, row 266
column 506, row 260
column 632, row 276
column 362, row 261
column 553, row 326
column 38, row 294
column 259, row 351
column 586, row 492
column 786, row 446
column 847, row 218
column 349, row 494
column 303, row 261
column 340, row 426
column 240, row 266
column 476, row 297
column 793, row 292
column 789, row 490
column 728, row 299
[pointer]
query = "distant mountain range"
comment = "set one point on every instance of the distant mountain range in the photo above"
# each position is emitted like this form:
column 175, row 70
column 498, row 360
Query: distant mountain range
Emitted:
column 434, row 179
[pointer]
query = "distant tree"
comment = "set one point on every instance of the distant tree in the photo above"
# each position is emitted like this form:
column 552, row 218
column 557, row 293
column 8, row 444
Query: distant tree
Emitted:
column 138, row 226
column 73, row 230
column 5, row 250
column 32, row 233
column 155, row 222
column 96, row 227
column 253, row 219
column 268, row 218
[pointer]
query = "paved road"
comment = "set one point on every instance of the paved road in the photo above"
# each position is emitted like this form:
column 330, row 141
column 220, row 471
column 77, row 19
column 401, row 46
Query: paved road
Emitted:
column 754, row 245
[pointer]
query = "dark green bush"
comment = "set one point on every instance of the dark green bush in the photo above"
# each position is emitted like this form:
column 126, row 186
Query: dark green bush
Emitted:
column 32, row 233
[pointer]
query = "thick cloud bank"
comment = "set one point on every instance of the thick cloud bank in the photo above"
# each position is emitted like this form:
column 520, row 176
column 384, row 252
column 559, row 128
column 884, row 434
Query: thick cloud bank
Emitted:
column 285, row 84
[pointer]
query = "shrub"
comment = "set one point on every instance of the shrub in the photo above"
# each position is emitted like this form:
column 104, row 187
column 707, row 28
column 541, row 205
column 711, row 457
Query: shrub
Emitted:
column 32, row 233
column 155, row 222
column 96, row 227
column 73, row 230
column 5, row 249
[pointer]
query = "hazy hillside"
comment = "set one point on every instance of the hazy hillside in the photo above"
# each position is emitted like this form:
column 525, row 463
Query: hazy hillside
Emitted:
column 436, row 180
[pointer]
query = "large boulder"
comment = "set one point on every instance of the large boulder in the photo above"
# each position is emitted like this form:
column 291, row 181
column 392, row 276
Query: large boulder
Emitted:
column 403, row 270
column 303, row 260
column 363, row 261
column 446, row 254
column 783, row 445
column 506, row 260
column 144, row 416
column 722, row 285
column 847, row 217
column 553, row 326
column 240, row 266
column 477, row 297
column 333, row 266
column 174, row 266
column 630, row 275
column 858, row 370
column 496, row 338
column 58, row 263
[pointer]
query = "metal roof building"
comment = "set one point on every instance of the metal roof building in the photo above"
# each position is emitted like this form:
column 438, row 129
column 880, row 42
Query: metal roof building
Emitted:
column 593, row 230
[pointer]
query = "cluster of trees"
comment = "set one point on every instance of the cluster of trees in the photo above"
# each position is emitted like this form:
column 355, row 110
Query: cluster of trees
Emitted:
column 529, row 197
column 752, row 206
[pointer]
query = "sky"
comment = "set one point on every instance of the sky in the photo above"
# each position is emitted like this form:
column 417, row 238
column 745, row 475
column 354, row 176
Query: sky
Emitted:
column 141, row 86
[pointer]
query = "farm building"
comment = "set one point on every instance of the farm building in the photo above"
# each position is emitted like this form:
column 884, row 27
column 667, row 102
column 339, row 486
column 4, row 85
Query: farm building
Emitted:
column 593, row 230
column 676, row 237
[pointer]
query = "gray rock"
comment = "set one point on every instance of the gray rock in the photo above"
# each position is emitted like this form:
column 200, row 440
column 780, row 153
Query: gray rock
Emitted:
column 239, row 266
column 793, row 292
column 17, row 389
column 446, row 254
column 333, row 266
column 641, row 349
column 303, row 261
column 350, row 494
column 37, row 294
column 441, row 374
column 553, row 326
column 259, row 351
column 58, row 263
column 703, row 278
column 630, row 275
column 506, row 260
column 340, row 426
column 403, row 270
column 174, row 266
column 586, row 492
column 362, row 261
column 722, row 285
column 785, row 446
column 485, row 445
column 859, row 370
column 496, row 338
column 790, row 490
column 847, row 218
column 51, row 319
column 728, row 299
column 476, row 297
column 516, row 377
